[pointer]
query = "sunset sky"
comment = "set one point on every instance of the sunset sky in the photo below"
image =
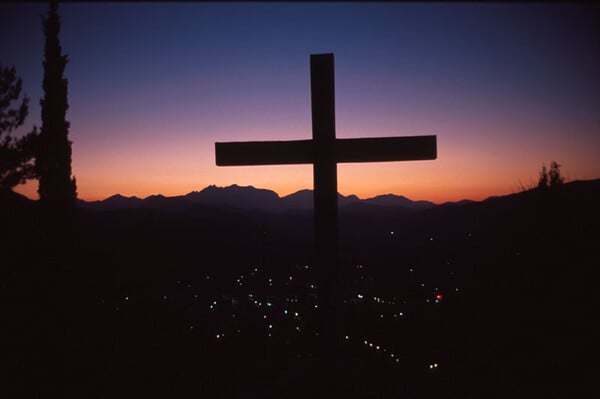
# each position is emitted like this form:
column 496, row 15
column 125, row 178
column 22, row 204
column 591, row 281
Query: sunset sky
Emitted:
column 152, row 87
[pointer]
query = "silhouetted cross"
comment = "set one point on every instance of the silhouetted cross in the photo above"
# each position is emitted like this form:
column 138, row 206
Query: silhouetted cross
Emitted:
column 324, row 151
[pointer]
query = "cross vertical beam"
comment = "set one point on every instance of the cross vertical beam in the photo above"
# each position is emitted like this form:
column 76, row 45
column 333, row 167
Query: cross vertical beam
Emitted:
column 325, row 184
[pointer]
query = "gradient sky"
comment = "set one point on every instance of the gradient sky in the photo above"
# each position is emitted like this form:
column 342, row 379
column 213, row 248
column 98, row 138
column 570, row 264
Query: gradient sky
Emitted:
column 152, row 86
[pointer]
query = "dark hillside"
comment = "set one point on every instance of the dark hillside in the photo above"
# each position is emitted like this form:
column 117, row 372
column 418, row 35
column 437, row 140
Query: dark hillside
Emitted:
column 146, row 301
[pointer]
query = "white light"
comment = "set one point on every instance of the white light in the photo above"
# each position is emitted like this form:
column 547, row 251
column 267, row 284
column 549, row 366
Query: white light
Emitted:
column 370, row 345
column 126, row 298
column 347, row 337
column 270, row 326
column 435, row 364
column 360, row 296
column 366, row 343
column 285, row 312
column 218, row 336
column 377, row 347
column 431, row 366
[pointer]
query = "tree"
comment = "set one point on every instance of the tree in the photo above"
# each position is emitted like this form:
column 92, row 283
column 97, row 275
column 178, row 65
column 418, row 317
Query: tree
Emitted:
column 16, row 155
column 552, row 178
column 57, row 188
column 554, row 175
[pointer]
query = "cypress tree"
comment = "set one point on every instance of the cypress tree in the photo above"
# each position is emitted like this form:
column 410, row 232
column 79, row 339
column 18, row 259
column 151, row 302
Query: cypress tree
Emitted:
column 57, row 189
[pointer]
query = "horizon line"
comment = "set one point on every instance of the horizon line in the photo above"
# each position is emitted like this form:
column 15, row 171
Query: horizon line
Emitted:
column 514, row 191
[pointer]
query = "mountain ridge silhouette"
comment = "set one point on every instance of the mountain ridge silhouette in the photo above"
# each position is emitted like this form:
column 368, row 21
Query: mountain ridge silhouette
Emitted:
column 249, row 198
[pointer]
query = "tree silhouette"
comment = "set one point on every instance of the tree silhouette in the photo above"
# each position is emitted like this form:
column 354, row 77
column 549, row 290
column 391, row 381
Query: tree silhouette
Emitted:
column 16, row 155
column 57, row 188
column 554, row 175
column 550, row 178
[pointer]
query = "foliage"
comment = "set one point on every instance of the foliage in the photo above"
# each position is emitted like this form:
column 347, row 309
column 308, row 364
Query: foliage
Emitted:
column 555, row 178
column 16, row 155
column 550, row 178
column 57, row 188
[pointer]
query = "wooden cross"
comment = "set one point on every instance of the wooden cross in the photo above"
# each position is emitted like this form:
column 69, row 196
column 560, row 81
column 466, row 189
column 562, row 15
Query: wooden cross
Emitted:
column 324, row 151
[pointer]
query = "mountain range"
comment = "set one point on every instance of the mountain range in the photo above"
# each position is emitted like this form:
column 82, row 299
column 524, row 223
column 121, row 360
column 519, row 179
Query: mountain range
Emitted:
column 249, row 198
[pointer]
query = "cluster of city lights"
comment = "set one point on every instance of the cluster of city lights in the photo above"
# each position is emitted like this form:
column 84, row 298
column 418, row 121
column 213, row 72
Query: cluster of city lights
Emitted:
column 254, row 298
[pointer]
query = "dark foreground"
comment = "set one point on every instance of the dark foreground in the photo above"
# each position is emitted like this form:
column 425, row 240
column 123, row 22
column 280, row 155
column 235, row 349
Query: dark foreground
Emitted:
column 118, row 303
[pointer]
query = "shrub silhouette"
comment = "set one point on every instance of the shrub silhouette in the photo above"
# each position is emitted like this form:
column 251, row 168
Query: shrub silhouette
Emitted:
column 552, row 178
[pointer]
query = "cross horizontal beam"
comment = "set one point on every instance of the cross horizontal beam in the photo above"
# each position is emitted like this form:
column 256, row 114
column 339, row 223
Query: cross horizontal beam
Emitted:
column 371, row 149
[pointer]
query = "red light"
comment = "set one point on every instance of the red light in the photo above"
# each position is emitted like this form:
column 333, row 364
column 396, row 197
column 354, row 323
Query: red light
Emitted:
column 438, row 297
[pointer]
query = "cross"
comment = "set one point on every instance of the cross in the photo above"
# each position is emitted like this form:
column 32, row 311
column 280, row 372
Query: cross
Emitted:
column 324, row 151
